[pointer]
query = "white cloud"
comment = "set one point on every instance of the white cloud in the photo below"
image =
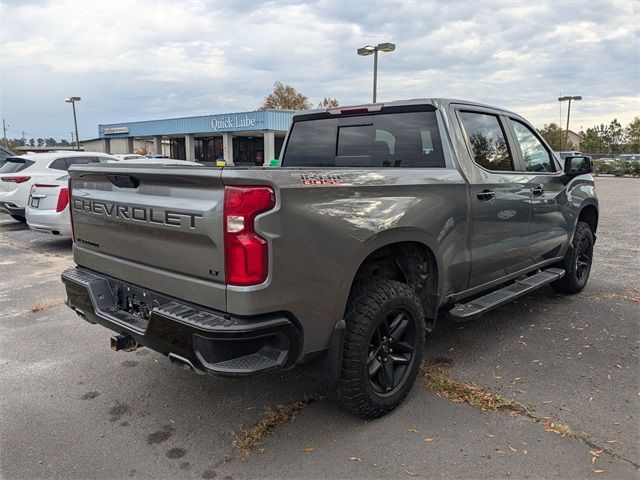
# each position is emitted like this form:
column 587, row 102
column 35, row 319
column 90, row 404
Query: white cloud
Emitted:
column 141, row 60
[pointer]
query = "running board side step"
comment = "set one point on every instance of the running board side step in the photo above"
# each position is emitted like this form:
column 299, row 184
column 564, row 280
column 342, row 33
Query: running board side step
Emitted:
column 474, row 308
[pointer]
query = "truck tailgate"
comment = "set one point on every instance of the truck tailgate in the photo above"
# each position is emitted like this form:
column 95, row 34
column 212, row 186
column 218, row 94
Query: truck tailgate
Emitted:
column 158, row 227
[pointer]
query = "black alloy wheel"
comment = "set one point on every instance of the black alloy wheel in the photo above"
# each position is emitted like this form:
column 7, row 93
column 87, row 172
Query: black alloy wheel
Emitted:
column 391, row 351
column 383, row 346
column 583, row 258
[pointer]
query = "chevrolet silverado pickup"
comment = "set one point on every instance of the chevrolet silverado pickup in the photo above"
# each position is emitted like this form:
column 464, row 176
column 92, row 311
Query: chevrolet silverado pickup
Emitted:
column 379, row 220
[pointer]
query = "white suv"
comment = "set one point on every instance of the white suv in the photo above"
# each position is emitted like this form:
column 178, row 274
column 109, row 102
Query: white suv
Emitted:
column 18, row 174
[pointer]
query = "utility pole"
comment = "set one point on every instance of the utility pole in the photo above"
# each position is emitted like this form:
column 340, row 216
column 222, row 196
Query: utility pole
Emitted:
column 4, row 133
column 71, row 137
column 72, row 101
column 563, row 99
column 24, row 140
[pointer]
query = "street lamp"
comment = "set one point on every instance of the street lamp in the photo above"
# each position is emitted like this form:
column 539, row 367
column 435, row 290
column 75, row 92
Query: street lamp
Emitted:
column 72, row 101
column 369, row 50
column 563, row 99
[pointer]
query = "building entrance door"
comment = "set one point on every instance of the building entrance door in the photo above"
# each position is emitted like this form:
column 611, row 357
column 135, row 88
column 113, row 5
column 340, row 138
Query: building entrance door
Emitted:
column 248, row 150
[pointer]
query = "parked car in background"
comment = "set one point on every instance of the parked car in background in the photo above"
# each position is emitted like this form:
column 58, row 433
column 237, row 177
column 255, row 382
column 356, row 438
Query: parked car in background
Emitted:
column 156, row 155
column 568, row 153
column 130, row 156
column 628, row 157
column 19, row 173
column 4, row 154
column 48, row 207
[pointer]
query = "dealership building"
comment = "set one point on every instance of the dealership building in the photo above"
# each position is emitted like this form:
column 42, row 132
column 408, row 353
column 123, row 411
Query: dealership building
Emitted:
column 245, row 138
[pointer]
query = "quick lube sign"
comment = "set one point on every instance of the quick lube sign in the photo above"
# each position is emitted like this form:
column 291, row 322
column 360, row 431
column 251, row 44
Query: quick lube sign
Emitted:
column 233, row 122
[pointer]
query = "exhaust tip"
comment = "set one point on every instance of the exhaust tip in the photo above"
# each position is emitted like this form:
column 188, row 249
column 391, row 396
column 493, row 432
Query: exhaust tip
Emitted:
column 184, row 363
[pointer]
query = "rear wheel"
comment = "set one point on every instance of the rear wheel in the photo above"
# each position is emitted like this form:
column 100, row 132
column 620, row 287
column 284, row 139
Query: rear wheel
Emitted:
column 19, row 218
column 383, row 347
column 577, row 261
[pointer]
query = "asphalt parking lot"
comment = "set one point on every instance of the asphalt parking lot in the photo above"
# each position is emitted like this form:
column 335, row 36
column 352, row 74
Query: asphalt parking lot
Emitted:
column 72, row 408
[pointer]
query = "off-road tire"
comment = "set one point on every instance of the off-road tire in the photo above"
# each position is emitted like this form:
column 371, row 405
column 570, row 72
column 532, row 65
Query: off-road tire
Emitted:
column 19, row 218
column 574, row 278
column 370, row 302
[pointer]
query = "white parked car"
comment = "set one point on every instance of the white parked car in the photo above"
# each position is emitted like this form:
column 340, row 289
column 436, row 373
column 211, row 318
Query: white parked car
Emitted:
column 48, row 208
column 129, row 156
column 18, row 174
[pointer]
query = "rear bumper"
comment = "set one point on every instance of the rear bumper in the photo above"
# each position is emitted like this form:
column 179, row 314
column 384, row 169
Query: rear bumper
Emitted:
column 208, row 341
column 11, row 209
column 49, row 221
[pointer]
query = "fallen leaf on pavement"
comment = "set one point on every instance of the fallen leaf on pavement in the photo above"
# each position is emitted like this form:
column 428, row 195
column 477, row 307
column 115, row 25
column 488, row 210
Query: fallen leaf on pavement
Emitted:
column 413, row 430
column 512, row 449
column 598, row 470
column 428, row 439
column 308, row 450
column 355, row 459
column 411, row 474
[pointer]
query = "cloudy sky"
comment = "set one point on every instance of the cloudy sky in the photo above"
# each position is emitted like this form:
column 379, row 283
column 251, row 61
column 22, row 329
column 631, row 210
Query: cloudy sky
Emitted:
column 137, row 60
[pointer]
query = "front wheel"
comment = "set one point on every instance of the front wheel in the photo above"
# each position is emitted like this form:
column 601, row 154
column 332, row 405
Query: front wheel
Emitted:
column 383, row 347
column 577, row 261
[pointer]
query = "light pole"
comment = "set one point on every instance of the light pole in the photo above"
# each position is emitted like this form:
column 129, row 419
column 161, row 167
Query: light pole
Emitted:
column 369, row 50
column 72, row 101
column 569, row 98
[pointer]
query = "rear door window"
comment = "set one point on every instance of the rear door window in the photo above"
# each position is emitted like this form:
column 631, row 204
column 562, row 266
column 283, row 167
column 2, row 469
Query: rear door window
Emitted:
column 535, row 155
column 487, row 140
column 14, row 165
column 406, row 139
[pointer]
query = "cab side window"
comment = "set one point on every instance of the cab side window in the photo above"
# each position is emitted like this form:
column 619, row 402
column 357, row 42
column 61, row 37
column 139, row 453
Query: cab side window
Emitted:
column 535, row 155
column 488, row 141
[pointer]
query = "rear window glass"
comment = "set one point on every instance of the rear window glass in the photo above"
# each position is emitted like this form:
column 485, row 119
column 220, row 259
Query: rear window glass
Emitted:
column 407, row 139
column 13, row 165
column 65, row 163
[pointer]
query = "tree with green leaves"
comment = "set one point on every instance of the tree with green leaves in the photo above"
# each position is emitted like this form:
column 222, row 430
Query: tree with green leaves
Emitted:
column 633, row 136
column 592, row 141
column 554, row 135
column 32, row 142
column 285, row 97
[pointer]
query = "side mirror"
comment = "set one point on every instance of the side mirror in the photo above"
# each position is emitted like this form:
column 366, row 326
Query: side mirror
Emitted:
column 574, row 166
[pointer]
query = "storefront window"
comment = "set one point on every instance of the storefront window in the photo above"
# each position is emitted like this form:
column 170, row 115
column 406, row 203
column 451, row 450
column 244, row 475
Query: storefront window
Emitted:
column 178, row 149
column 208, row 149
column 278, row 146
column 248, row 151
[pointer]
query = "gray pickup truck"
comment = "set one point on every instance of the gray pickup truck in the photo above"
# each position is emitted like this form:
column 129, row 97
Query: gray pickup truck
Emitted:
column 380, row 219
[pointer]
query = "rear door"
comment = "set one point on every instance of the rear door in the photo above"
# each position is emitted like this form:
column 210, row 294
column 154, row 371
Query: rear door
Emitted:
column 548, row 229
column 154, row 226
column 499, row 197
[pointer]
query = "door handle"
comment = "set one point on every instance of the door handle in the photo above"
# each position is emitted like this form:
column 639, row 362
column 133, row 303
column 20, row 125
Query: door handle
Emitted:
column 538, row 190
column 486, row 195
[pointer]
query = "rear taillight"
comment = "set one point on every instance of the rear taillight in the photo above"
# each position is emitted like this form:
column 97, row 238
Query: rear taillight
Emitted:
column 73, row 228
column 63, row 199
column 246, row 252
column 15, row 179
